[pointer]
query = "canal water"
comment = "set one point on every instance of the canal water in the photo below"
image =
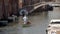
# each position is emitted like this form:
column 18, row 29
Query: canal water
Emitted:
column 39, row 22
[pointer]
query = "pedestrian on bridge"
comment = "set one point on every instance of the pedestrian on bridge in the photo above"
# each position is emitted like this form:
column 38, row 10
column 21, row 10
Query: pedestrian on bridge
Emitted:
column 23, row 12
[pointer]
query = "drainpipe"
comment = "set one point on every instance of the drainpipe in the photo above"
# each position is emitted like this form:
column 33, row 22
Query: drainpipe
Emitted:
column 3, row 10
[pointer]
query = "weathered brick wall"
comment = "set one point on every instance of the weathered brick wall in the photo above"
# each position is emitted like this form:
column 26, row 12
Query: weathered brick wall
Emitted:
column 7, row 7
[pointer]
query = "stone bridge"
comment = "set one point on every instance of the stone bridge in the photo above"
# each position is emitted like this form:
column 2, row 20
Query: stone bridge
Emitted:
column 38, row 5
